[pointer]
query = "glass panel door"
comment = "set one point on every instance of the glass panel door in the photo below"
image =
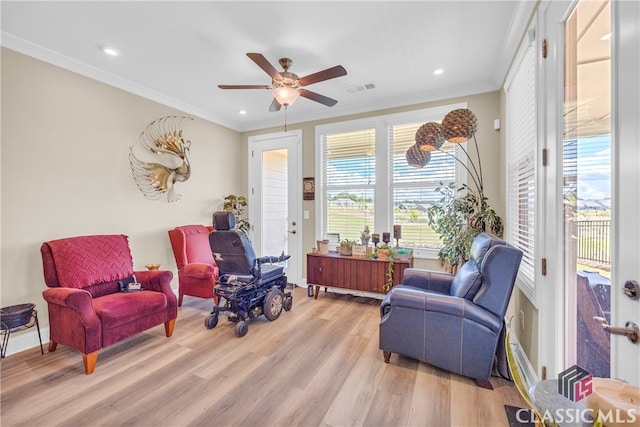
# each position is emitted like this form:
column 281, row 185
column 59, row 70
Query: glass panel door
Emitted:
column 275, row 169
column 587, row 185
column 275, row 210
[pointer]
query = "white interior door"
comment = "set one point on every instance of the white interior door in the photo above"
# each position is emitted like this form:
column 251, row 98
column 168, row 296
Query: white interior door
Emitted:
column 275, row 194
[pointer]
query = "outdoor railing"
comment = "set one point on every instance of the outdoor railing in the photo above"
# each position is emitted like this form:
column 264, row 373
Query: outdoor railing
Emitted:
column 593, row 241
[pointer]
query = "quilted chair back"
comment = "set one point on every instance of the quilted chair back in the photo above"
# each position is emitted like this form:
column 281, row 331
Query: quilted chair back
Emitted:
column 232, row 249
column 190, row 244
column 84, row 261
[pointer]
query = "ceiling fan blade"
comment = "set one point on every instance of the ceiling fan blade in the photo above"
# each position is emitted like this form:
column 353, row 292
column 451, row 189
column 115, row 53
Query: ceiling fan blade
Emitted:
column 320, row 76
column 262, row 62
column 243, row 87
column 275, row 105
column 329, row 102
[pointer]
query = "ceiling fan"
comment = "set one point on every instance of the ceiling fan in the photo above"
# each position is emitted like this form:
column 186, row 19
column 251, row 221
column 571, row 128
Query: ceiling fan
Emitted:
column 287, row 86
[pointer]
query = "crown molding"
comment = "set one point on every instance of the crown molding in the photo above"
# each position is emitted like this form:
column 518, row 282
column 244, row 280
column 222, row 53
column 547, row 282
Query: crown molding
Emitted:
column 54, row 58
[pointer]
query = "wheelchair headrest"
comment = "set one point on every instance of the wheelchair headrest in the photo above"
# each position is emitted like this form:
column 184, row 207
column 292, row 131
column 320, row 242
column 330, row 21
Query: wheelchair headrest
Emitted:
column 224, row 220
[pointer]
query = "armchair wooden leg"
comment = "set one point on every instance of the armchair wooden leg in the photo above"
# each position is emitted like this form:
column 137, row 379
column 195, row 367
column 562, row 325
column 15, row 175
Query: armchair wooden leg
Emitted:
column 387, row 356
column 180, row 299
column 89, row 361
column 52, row 346
column 484, row 384
column 168, row 327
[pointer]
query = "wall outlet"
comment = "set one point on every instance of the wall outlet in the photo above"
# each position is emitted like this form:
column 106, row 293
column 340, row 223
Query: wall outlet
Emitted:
column 521, row 316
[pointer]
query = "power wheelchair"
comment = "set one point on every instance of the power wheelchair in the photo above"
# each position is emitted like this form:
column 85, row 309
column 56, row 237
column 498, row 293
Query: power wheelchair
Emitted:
column 248, row 286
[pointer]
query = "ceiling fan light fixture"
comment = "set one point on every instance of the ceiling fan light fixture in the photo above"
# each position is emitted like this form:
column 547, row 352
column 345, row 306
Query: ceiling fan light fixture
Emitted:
column 286, row 95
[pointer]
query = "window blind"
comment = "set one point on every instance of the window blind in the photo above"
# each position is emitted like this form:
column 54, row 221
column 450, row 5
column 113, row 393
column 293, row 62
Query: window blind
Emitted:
column 414, row 189
column 349, row 171
column 521, row 162
column 363, row 179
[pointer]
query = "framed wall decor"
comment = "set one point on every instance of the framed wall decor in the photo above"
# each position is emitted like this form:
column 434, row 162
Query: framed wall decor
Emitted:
column 308, row 188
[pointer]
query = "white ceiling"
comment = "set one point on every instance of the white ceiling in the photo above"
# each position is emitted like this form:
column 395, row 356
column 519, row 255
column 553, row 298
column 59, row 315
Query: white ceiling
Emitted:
column 178, row 52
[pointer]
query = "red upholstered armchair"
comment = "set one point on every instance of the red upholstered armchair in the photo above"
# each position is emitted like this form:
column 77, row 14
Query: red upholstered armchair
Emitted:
column 197, row 271
column 87, row 310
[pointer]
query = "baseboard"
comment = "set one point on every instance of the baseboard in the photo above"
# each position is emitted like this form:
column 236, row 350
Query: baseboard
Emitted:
column 529, row 375
column 26, row 340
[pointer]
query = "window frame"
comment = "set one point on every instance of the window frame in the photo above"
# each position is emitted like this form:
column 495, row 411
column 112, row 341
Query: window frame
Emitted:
column 527, row 277
column 383, row 190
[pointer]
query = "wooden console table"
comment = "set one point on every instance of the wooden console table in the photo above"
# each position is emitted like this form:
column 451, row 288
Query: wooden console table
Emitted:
column 346, row 272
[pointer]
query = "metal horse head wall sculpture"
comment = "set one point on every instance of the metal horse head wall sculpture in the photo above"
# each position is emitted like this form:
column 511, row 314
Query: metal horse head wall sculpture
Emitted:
column 163, row 139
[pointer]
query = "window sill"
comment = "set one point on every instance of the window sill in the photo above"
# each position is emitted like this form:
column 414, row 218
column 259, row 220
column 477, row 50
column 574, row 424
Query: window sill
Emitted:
column 425, row 253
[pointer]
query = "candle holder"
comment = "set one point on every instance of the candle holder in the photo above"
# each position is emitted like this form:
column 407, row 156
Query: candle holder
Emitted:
column 397, row 234
column 386, row 237
column 375, row 238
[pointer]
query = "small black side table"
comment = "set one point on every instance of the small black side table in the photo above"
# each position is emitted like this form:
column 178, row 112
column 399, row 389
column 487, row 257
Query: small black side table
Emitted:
column 16, row 318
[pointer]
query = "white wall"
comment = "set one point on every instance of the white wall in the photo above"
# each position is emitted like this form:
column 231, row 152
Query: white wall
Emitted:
column 65, row 172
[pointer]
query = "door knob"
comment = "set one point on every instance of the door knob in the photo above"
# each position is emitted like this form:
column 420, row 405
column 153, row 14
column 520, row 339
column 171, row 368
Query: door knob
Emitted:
column 630, row 330
column 292, row 231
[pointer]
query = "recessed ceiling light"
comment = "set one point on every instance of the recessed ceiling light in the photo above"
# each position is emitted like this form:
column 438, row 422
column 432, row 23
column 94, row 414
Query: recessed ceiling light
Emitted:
column 605, row 37
column 437, row 71
column 242, row 112
column 110, row 51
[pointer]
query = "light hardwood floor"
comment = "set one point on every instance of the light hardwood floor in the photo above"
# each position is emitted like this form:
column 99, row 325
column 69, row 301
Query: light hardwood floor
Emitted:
column 317, row 365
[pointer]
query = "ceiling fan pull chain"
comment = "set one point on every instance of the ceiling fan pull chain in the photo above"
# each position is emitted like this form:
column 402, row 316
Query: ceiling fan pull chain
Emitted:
column 285, row 118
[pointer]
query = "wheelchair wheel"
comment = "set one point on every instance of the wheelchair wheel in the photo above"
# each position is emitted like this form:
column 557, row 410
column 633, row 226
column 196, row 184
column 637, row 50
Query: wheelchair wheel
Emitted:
column 211, row 321
column 273, row 303
column 288, row 303
column 241, row 328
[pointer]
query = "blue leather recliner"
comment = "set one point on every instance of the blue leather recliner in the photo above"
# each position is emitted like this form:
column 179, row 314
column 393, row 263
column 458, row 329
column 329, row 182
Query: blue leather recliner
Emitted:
column 453, row 322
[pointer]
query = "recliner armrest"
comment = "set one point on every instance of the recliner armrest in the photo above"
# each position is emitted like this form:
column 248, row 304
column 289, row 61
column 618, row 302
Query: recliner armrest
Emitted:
column 436, row 281
column 445, row 304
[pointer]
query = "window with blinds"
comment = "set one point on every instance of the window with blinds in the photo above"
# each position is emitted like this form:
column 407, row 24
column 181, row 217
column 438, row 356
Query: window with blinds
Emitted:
column 363, row 179
column 521, row 163
column 414, row 189
column 349, row 171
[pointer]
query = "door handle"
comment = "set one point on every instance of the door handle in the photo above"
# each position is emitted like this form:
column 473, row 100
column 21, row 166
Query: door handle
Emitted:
column 631, row 330
column 292, row 231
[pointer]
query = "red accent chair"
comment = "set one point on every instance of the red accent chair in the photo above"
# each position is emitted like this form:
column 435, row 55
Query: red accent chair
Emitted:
column 197, row 271
column 87, row 310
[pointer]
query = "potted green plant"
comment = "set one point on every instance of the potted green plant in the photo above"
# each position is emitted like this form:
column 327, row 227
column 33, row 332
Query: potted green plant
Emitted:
column 458, row 220
column 237, row 205
column 384, row 251
column 346, row 247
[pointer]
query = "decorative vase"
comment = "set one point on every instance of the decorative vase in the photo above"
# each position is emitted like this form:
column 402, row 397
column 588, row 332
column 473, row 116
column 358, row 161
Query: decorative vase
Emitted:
column 323, row 247
column 383, row 254
column 345, row 250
